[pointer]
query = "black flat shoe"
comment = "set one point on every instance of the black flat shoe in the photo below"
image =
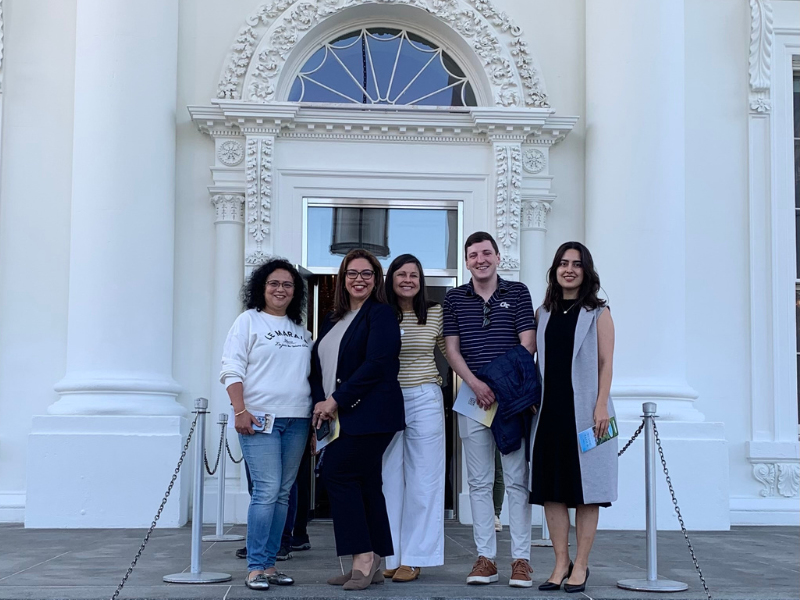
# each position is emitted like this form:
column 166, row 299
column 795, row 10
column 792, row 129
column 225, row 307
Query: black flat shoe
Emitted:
column 241, row 552
column 571, row 589
column 549, row 586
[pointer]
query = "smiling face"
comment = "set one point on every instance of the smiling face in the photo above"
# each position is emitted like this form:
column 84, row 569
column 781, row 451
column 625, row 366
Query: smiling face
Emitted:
column 358, row 287
column 570, row 273
column 406, row 281
column 278, row 292
column 482, row 261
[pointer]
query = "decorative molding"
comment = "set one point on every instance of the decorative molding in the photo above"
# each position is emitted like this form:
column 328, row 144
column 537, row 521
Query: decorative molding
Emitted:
column 508, row 194
column 257, row 258
column 533, row 160
column 760, row 60
column 258, row 191
column 230, row 153
column 229, row 208
column 273, row 31
column 778, row 479
column 508, row 263
column 534, row 215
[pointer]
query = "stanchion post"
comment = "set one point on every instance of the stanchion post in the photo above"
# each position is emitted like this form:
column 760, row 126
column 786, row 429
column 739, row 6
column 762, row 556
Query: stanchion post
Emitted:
column 219, row 536
column 196, row 574
column 545, row 541
column 652, row 583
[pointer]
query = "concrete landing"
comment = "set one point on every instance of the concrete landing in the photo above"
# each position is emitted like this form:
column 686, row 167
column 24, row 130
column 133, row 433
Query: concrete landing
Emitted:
column 745, row 563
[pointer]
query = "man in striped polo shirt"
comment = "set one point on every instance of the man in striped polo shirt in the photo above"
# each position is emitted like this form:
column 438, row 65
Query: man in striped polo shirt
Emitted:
column 484, row 319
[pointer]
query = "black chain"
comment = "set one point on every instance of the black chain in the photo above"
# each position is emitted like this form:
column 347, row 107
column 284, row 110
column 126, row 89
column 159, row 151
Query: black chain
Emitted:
column 630, row 441
column 678, row 511
column 219, row 454
column 228, row 448
column 158, row 512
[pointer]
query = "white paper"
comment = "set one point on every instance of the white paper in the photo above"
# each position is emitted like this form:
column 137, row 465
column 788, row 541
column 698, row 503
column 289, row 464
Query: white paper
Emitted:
column 269, row 420
column 467, row 404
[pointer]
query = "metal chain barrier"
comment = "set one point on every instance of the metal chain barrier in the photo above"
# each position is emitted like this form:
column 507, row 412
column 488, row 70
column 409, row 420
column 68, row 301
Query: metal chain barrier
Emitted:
column 228, row 448
column 222, row 441
column 630, row 441
column 678, row 511
column 158, row 512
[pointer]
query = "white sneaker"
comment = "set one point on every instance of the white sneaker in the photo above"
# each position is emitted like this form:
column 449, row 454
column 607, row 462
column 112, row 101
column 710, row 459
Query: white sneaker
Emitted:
column 498, row 526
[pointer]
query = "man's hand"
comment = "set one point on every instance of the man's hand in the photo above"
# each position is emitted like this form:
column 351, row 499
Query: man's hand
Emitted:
column 243, row 423
column 483, row 394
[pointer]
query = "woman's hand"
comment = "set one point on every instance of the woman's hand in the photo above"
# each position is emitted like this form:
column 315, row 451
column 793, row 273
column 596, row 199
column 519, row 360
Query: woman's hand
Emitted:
column 483, row 394
column 244, row 423
column 601, row 420
column 324, row 411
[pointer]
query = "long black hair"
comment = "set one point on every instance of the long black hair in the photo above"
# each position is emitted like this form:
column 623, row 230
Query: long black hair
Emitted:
column 253, row 289
column 420, row 301
column 587, row 294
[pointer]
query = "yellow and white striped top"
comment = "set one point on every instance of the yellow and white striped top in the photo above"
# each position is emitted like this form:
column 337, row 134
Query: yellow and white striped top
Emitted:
column 416, row 354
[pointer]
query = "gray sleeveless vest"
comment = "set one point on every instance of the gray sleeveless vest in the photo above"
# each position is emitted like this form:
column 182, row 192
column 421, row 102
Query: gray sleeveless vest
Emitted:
column 599, row 469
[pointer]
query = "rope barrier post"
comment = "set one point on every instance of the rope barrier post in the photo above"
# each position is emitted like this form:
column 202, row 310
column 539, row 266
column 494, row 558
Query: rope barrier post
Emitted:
column 652, row 583
column 196, row 574
column 219, row 536
column 545, row 542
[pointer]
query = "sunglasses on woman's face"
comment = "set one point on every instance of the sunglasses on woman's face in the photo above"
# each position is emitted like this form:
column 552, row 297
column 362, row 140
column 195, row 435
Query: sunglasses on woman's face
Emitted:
column 366, row 274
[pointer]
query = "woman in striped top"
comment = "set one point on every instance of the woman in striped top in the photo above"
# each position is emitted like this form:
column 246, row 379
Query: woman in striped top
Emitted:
column 413, row 465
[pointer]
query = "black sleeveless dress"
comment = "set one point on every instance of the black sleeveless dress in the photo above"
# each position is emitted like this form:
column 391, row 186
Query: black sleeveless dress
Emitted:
column 555, row 469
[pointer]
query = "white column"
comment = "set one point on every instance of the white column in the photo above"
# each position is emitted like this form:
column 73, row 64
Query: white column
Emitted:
column 104, row 456
column 534, row 263
column 635, row 215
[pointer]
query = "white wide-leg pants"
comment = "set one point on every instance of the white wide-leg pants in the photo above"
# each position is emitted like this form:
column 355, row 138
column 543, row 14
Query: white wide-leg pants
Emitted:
column 413, row 481
column 479, row 449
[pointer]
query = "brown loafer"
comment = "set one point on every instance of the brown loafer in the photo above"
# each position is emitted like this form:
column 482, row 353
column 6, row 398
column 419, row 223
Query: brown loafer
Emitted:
column 405, row 574
column 389, row 573
column 340, row 579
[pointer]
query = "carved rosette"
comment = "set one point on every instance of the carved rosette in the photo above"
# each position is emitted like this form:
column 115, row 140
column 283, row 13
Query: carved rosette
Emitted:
column 760, row 62
column 508, row 201
column 258, row 192
column 534, row 215
column 780, row 480
column 274, row 30
column 230, row 208
column 230, row 153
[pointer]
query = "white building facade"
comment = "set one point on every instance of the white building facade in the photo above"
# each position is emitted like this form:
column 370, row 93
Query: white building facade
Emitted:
column 154, row 151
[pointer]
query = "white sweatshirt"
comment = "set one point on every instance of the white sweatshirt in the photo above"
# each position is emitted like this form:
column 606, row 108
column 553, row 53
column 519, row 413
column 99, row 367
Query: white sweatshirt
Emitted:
column 271, row 356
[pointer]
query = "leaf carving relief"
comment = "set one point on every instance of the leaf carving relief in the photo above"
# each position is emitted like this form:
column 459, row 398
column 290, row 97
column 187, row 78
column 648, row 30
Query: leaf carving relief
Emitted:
column 278, row 25
column 508, row 194
column 778, row 479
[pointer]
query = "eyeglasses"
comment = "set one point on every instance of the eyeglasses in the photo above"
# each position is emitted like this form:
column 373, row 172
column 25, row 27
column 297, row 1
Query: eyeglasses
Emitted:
column 487, row 308
column 366, row 274
column 274, row 284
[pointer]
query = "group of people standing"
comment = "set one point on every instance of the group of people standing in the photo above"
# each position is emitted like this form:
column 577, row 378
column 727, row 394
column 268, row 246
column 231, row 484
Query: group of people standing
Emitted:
column 371, row 378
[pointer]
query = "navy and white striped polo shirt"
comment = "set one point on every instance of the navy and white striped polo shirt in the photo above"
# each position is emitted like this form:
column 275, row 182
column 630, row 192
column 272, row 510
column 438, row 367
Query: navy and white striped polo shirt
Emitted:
column 510, row 313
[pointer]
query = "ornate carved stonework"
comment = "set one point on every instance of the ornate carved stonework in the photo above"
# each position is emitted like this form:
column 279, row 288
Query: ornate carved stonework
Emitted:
column 258, row 190
column 278, row 25
column 778, row 479
column 534, row 215
column 761, row 37
column 230, row 153
column 533, row 160
column 229, row 208
column 508, row 184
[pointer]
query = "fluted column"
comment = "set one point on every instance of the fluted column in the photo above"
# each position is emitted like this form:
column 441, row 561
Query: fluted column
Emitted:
column 534, row 262
column 119, row 357
column 635, row 179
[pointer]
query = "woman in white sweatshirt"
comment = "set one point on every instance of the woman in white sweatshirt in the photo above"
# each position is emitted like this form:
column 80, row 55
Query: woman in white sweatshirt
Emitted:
column 265, row 368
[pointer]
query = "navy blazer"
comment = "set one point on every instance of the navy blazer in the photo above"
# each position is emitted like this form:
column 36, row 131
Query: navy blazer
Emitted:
column 367, row 390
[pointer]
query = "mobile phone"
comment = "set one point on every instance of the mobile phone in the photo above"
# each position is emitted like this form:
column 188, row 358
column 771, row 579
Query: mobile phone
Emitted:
column 323, row 430
column 260, row 425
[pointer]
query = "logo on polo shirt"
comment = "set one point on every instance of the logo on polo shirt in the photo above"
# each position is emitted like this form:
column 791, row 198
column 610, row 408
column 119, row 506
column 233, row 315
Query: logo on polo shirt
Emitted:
column 505, row 305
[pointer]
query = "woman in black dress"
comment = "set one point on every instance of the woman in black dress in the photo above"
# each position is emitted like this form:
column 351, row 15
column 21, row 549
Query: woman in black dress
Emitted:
column 562, row 476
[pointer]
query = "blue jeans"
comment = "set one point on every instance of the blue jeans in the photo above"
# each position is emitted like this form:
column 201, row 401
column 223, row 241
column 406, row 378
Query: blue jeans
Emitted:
column 273, row 460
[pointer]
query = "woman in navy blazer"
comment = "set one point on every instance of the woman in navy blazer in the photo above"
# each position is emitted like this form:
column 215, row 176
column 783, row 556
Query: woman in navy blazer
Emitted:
column 354, row 368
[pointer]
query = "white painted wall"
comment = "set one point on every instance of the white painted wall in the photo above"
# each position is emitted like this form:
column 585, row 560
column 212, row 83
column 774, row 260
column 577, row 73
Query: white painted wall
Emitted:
column 35, row 192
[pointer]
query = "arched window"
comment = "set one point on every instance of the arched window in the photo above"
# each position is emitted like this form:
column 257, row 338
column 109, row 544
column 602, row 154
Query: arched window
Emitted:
column 379, row 65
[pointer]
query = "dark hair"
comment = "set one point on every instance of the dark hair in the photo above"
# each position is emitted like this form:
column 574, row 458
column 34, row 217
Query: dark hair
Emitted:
column 341, row 297
column 477, row 238
column 253, row 289
column 587, row 294
column 420, row 303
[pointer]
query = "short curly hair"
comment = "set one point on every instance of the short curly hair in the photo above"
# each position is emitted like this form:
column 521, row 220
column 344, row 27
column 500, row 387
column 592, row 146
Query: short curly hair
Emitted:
column 253, row 290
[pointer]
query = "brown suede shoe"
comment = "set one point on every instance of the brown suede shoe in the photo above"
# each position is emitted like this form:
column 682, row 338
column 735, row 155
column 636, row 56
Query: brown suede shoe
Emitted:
column 340, row 579
column 389, row 573
column 520, row 574
column 483, row 571
column 404, row 574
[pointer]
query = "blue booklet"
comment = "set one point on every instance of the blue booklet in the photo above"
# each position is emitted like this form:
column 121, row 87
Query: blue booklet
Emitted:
column 587, row 439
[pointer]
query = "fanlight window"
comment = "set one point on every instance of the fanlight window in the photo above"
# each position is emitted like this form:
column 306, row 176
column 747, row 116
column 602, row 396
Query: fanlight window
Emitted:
column 379, row 65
